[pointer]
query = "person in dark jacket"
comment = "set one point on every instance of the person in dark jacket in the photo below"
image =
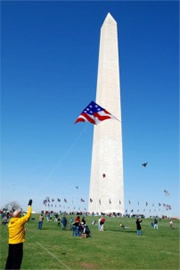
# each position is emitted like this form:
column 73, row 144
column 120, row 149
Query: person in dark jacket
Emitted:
column 138, row 226
column 64, row 222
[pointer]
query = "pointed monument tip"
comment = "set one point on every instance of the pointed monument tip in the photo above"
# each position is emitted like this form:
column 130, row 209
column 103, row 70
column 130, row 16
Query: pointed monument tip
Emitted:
column 109, row 18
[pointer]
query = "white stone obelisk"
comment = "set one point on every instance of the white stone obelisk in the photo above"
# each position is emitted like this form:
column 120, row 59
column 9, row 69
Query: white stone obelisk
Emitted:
column 106, row 184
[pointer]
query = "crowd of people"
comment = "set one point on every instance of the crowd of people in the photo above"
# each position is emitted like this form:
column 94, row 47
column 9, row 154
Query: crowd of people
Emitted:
column 16, row 220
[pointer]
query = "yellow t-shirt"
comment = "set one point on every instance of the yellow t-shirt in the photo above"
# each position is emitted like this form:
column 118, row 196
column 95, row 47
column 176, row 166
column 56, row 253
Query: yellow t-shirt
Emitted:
column 16, row 228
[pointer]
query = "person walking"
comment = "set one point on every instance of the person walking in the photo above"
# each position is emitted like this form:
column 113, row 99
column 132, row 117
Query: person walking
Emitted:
column 17, row 237
column 138, row 226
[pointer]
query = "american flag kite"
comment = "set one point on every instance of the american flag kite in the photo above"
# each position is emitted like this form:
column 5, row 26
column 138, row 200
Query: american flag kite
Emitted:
column 94, row 114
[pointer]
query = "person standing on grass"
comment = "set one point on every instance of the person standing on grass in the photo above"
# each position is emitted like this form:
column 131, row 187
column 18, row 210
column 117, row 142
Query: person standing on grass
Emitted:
column 17, row 237
column 138, row 226
column 102, row 221
column 155, row 223
column 171, row 224
column 64, row 222
column 99, row 226
column 40, row 223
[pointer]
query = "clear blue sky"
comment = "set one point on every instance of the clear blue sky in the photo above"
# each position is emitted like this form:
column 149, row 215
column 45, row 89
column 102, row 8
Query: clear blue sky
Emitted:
column 49, row 73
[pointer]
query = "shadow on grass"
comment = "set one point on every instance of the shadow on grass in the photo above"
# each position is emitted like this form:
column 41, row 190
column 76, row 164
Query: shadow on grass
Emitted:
column 54, row 229
column 121, row 231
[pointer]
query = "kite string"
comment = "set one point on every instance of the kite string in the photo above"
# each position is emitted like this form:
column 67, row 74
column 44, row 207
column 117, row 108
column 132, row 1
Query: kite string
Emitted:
column 65, row 154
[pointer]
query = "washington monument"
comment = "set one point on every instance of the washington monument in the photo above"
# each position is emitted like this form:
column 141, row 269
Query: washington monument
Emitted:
column 106, row 183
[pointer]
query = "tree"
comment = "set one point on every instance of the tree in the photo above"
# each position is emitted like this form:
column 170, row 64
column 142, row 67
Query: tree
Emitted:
column 11, row 206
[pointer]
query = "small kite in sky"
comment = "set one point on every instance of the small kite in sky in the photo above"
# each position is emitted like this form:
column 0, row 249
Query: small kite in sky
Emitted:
column 145, row 164
column 166, row 192
column 91, row 200
column 94, row 114
column 44, row 202
column 76, row 187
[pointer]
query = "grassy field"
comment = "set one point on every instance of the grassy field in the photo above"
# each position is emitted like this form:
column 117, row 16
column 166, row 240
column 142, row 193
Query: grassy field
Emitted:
column 52, row 248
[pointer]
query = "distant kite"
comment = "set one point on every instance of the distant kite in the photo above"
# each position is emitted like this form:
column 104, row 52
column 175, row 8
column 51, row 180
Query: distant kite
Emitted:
column 145, row 164
column 91, row 200
column 166, row 192
column 82, row 200
column 44, row 202
column 76, row 187
column 94, row 114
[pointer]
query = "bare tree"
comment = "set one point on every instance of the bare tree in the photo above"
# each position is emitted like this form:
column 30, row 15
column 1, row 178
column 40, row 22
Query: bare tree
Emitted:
column 11, row 206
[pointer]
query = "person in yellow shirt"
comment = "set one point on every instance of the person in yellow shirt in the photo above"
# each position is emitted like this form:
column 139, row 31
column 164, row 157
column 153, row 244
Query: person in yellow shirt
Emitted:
column 17, row 237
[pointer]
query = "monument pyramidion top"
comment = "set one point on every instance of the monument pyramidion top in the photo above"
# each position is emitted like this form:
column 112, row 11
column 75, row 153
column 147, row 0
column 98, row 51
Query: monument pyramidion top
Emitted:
column 109, row 19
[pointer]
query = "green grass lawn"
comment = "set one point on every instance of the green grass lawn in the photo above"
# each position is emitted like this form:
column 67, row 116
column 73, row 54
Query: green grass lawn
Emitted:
column 52, row 248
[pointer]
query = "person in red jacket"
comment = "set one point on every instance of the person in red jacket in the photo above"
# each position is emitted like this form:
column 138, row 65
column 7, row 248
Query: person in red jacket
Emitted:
column 16, row 238
column 77, row 220
column 102, row 221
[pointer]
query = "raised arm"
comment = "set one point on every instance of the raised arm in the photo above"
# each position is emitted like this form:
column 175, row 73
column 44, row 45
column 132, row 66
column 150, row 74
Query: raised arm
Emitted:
column 24, row 219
